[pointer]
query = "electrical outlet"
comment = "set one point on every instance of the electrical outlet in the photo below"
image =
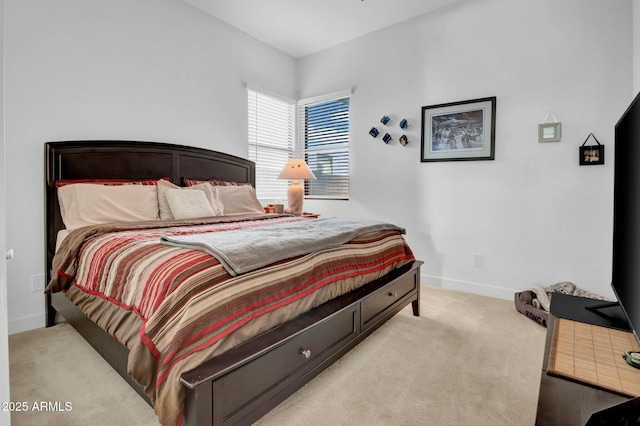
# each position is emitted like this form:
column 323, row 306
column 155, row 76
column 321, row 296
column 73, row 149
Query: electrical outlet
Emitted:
column 476, row 259
column 37, row 283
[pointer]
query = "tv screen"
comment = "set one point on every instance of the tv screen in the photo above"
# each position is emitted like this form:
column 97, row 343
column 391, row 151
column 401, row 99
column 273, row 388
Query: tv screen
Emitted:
column 625, row 279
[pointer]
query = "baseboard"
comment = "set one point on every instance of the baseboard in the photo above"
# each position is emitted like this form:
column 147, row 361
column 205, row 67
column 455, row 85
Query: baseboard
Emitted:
column 469, row 287
column 26, row 323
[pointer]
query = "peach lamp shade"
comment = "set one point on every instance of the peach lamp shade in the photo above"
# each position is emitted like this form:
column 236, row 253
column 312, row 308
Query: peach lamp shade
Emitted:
column 295, row 170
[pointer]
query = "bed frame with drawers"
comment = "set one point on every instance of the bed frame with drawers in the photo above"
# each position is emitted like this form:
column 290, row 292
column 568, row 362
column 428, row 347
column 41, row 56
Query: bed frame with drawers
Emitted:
column 240, row 385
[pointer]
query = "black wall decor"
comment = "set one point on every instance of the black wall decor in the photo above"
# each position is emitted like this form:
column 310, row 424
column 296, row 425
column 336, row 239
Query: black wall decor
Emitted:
column 591, row 155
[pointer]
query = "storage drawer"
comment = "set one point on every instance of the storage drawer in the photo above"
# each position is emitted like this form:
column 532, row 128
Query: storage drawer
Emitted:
column 378, row 302
column 265, row 374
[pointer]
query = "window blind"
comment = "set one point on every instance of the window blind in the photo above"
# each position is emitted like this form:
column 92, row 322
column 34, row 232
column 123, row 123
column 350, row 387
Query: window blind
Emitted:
column 271, row 141
column 324, row 134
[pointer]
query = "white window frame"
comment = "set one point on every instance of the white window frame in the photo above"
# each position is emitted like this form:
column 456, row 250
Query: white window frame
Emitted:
column 303, row 152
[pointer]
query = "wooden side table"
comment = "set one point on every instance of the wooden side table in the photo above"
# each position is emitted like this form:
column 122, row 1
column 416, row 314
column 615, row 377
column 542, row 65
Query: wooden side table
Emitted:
column 562, row 402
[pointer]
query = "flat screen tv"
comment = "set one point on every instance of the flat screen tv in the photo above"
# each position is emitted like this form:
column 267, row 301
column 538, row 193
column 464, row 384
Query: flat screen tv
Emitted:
column 625, row 279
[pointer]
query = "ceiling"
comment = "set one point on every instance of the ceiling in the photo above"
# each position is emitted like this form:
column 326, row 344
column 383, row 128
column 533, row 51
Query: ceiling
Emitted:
column 302, row 27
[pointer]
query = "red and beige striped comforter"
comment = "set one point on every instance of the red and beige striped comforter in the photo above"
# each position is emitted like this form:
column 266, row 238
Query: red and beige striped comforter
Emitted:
column 174, row 308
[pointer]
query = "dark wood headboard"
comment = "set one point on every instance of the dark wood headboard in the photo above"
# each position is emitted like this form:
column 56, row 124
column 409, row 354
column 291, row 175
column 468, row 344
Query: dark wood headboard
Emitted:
column 129, row 160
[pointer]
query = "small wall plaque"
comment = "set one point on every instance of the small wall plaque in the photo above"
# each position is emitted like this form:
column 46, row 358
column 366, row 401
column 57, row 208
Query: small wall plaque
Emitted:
column 549, row 132
column 591, row 155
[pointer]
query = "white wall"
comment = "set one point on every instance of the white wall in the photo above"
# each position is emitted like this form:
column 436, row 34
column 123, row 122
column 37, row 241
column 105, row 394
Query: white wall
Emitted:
column 162, row 70
column 636, row 46
column 5, row 416
column 534, row 214
column 156, row 70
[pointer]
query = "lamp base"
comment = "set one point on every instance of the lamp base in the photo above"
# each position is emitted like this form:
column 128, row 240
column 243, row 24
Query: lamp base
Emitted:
column 295, row 197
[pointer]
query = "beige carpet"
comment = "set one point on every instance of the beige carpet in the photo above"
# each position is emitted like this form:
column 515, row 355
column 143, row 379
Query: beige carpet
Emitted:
column 468, row 360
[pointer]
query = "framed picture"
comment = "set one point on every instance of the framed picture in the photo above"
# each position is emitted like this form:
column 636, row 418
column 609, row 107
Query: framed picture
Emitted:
column 549, row 132
column 459, row 131
column 591, row 155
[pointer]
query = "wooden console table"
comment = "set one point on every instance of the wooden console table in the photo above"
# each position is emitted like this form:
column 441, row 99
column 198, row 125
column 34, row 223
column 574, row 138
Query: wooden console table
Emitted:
column 561, row 401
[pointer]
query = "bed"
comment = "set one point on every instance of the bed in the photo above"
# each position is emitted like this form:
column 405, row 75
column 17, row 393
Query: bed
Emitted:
column 240, row 383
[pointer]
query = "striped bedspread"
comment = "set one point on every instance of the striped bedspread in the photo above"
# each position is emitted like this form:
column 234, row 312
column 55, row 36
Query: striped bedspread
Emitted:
column 183, row 305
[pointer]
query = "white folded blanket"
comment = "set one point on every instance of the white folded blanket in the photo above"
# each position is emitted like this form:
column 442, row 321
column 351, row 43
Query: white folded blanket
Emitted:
column 244, row 250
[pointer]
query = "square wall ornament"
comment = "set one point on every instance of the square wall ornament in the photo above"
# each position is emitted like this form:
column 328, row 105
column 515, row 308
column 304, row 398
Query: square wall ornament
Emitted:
column 591, row 154
column 549, row 132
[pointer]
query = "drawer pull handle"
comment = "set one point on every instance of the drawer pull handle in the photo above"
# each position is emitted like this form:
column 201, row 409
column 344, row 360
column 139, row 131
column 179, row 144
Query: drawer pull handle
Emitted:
column 306, row 353
column 393, row 294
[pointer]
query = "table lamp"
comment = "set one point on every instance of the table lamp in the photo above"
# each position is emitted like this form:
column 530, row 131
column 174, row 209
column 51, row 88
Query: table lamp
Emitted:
column 296, row 169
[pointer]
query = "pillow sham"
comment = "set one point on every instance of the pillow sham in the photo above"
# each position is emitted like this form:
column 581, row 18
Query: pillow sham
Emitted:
column 214, row 182
column 84, row 204
column 163, row 204
column 188, row 204
column 238, row 199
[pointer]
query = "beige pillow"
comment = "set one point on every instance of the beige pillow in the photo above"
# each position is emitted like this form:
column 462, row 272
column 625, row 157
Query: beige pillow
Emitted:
column 163, row 204
column 84, row 204
column 189, row 204
column 238, row 199
column 212, row 196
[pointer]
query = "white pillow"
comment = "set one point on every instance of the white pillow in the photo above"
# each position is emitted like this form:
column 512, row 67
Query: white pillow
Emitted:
column 163, row 204
column 188, row 204
column 238, row 199
column 84, row 204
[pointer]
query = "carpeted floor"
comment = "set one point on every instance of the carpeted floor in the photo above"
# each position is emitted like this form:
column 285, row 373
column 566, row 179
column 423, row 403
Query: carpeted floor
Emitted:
column 468, row 360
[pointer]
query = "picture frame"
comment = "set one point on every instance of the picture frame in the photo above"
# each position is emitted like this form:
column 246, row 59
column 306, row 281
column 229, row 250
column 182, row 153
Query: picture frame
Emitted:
column 459, row 131
column 549, row 132
column 591, row 155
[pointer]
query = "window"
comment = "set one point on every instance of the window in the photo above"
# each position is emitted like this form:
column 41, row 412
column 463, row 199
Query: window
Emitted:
column 271, row 141
column 324, row 135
